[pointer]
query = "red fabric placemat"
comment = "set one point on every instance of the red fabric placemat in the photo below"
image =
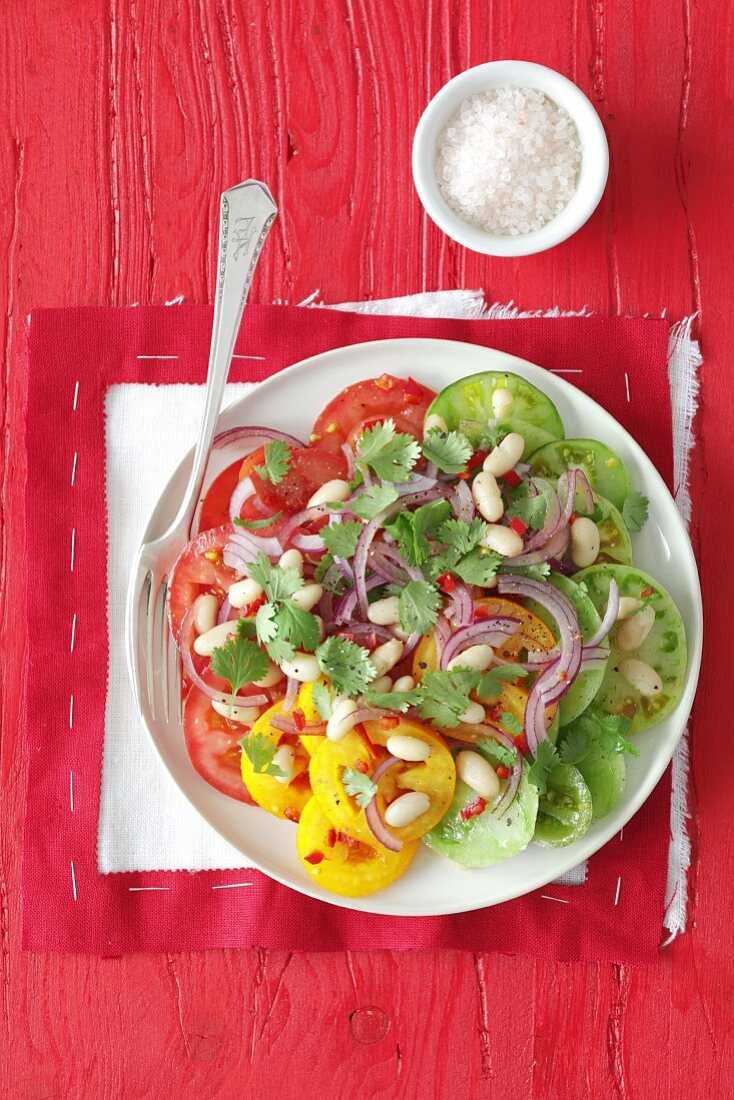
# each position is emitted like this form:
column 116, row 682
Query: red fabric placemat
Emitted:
column 75, row 354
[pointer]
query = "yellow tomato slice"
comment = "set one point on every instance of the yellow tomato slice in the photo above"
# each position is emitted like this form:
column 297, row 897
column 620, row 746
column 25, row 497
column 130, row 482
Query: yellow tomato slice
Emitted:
column 281, row 799
column 348, row 869
column 312, row 715
column 435, row 777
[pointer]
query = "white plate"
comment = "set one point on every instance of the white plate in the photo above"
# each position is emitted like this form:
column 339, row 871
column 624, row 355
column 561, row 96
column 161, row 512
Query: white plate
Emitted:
column 290, row 401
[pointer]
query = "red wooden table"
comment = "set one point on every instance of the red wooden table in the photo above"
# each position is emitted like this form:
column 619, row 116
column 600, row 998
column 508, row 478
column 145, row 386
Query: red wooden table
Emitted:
column 120, row 124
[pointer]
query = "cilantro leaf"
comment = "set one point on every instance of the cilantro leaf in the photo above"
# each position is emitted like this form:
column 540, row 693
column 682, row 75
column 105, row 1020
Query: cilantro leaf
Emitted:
column 491, row 683
column 446, row 695
column 462, row 537
column 531, row 510
column 536, row 572
column 246, row 628
column 297, row 626
column 341, row 538
column 394, row 700
column 492, row 435
column 239, row 661
column 612, row 728
column 479, row 567
column 280, row 650
column 359, row 786
column 545, row 760
column 391, row 454
column 322, row 700
column 497, row 753
column 260, row 750
column 277, row 462
column 347, row 665
column 265, row 623
column 418, row 607
column 255, row 524
column 449, row 451
column 279, row 584
column 372, row 501
column 332, row 582
column 513, row 726
column 596, row 516
column 575, row 744
column 634, row 511
column 411, row 529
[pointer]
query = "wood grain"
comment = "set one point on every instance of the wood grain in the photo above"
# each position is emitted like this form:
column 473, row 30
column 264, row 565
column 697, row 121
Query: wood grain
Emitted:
column 119, row 125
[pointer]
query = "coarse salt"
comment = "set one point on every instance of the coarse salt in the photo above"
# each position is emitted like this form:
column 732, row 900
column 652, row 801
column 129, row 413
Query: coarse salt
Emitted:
column 508, row 160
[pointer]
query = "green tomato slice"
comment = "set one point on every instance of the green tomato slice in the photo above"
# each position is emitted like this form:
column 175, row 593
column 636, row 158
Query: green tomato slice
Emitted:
column 586, row 684
column 605, row 470
column 615, row 544
column 467, row 404
column 664, row 648
column 565, row 810
column 484, row 840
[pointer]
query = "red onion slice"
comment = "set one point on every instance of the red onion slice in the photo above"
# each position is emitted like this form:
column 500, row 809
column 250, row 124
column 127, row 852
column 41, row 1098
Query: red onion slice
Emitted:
column 349, row 455
column 227, row 612
column 311, row 544
column 580, row 483
column 377, row 826
column 252, row 438
column 286, row 724
column 250, row 540
column 554, row 548
column 417, row 484
column 187, row 640
column 610, row 616
column 552, row 515
column 462, row 502
column 237, row 558
column 306, row 516
column 368, row 634
column 291, row 694
column 243, row 491
column 461, row 610
column 348, row 602
column 492, row 631
column 382, row 553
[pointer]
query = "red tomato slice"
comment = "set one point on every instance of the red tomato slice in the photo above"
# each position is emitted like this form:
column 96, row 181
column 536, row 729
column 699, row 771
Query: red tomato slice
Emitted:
column 403, row 399
column 212, row 746
column 215, row 507
column 310, row 468
column 194, row 573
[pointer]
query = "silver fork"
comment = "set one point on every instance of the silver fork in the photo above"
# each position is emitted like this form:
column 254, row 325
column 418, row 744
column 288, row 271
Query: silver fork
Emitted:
column 247, row 212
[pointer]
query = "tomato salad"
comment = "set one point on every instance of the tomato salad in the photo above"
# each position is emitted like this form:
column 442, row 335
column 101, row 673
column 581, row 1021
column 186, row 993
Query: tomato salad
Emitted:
column 424, row 624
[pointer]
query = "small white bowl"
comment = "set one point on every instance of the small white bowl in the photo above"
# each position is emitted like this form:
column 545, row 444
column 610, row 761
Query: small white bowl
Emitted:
column 594, row 156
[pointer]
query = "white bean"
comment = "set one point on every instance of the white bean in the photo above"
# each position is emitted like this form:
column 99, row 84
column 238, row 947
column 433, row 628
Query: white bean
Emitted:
column 434, row 423
column 502, row 402
column 476, row 657
column 384, row 612
column 243, row 592
column 285, row 759
column 505, row 455
column 307, row 597
column 478, row 774
column 397, row 631
column 633, row 631
column 503, row 540
column 641, row 676
column 585, row 542
column 272, row 676
column 302, row 667
column 627, row 605
column 407, row 808
column 407, row 748
column 383, row 683
column 245, row 715
column 205, row 613
column 404, row 683
column 473, row 714
column 332, row 490
column 205, row 644
column 387, row 655
column 342, row 719
column 291, row 559
column 487, row 496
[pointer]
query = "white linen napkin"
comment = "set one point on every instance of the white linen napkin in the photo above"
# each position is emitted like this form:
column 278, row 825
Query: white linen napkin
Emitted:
column 145, row 823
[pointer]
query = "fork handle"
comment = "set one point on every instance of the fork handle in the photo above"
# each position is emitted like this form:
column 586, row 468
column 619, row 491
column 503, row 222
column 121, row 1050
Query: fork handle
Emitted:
column 246, row 214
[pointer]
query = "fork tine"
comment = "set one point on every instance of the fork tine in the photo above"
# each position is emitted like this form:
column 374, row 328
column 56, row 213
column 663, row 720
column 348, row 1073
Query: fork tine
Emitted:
column 150, row 651
column 165, row 645
column 137, row 649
